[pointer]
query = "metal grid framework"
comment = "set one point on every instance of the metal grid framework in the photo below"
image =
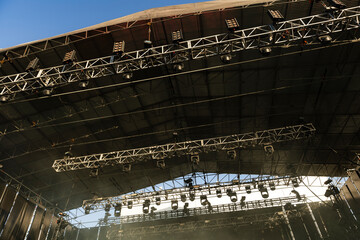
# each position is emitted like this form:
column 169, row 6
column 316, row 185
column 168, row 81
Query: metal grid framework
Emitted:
column 281, row 34
column 266, row 137
column 216, row 209
column 175, row 193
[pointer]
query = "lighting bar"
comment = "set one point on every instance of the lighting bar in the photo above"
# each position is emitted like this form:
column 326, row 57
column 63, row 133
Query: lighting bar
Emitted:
column 193, row 148
column 282, row 34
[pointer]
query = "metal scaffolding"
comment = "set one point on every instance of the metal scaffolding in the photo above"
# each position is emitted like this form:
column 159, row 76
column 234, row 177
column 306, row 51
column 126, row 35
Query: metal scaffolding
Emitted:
column 281, row 34
column 193, row 148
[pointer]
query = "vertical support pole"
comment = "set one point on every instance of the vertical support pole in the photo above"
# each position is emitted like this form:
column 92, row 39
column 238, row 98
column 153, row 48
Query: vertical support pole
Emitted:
column 77, row 234
column 12, row 206
column 313, row 218
column 288, row 222
column 98, row 233
column 31, row 222
column 3, row 193
column 50, row 225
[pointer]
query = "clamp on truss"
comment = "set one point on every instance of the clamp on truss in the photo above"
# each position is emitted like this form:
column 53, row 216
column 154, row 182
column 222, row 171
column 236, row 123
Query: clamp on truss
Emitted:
column 280, row 34
column 193, row 148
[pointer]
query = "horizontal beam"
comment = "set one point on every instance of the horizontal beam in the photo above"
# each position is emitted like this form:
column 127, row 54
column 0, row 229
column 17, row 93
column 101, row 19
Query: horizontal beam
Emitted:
column 281, row 34
column 262, row 138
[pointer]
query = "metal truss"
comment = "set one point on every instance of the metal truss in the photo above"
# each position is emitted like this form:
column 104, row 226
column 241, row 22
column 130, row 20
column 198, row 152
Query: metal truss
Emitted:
column 281, row 34
column 208, row 189
column 216, row 209
column 263, row 138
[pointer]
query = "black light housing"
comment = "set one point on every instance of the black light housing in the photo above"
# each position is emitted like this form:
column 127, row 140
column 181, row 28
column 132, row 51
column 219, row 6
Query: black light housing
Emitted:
column 87, row 209
column 203, row 200
column 183, row 197
column 248, row 189
column 158, row 201
column 192, row 196
column 325, row 39
column 130, row 204
column 178, row 67
column 174, row 204
column 231, row 154
column 218, row 193
column 146, row 206
column 265, row 51
column 33, row 64
column 107, row 207
column 294, row 182
column 119, row 47
column 272, row 186
column 117, row 209
column 186, row 209
column 226, row 58
column 195, row 159
column 160, row 164
column 4, row 98
column 147, row 44
column 127, row 75
column 232, row 24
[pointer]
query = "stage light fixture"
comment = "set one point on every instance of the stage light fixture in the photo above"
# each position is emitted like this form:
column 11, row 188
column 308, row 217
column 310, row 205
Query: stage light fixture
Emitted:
column 107, row 207
column 117, row 209
column 160, row 164
column 275, row 15
column 177, row 36
column 297, row 194
column 232, row 24
column 127, row 75
column 269, row 149
column 327, row 182
column 47, row 91
column 195, row 159
column 157, row 201
column 192, row 196
column 248, row 189
column 209, row 207
column 178, row 67
column 69, row 57
column 87, row 209
column 129, row 204
column 203, row 200
column 242, row 201
column 68, row 154
column 272, row 186
column 325, row 39
column 33, row 64
column 147, row 44
column 294, row 182
column 146, row 206
column 231, row 154
column 264, row 192
column 94, row 172
column 183, row 197
column 83, row 83
column 4, row 98
column 226, row 58
column 265, row 51
column 218, row 193
column 119, row 47
column 187, row 181
column 126, row 167
column 186, row 209
column 174, row 204
column 337, row 3
column 233, row 197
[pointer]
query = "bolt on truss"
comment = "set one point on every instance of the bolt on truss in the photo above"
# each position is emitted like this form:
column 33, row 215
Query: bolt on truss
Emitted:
column 280, row 34
column 216, row 209
column 266, row 137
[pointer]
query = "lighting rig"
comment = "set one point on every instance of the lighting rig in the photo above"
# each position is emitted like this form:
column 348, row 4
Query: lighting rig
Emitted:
column 192, row 148
column 285, row 32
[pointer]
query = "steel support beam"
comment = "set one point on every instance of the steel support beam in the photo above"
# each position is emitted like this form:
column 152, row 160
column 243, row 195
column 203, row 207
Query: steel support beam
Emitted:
column 282, row 34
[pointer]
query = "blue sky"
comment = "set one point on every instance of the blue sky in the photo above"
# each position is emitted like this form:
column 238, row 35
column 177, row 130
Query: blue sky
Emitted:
column 23, row 21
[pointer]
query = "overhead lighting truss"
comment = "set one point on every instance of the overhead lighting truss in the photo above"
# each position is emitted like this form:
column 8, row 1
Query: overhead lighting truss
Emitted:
column 193, row 148
column 281, row 34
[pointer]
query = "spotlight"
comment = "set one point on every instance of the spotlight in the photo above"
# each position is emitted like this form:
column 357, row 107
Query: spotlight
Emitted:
column 83, row 84
column 119, row 48
column 147, row 44
column 160, row 164
column 226, row 58
column 209, row 207
column 327, row 182
column 269, row 149
column 264, row 193
column 69, row 57
column 146, row 206
column 127, row 76
column 265, row 51
column 272, row 186
column 325, row 39
column 242, row 201
column 94, row 173
column 294, row 182
column 192, row 196
column 337, row 3
column 297, row 195
column 177, row 36
column 203, row 200
column 178, row 67
column 195, row 159
column 127, row 167
column 4, row 98
column 248, row 189
column 218, row 193
column 87, row 209
column 174, row 204
column 68, row 154
column 232, row 24
column 187, row 181
column 130, row 204
column 33, row 64
column 47, row 91
column 231, row 154
column 183, row 197
column 107, row 207
column 158, row 201
column 233, row 197
column 117, row 210
column 152, row 212
column 275, row 15
column 186, row 209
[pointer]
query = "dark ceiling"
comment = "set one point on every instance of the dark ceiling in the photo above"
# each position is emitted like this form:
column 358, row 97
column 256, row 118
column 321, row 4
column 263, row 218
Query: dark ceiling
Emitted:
column 320, row 86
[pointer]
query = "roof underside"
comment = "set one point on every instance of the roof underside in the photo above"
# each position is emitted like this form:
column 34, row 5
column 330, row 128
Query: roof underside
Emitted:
column 319, row 86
